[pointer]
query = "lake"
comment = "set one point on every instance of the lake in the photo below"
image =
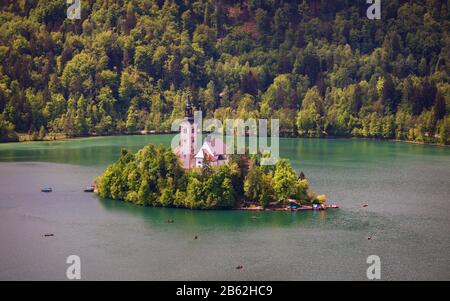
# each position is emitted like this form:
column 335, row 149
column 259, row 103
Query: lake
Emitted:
column 406, row 188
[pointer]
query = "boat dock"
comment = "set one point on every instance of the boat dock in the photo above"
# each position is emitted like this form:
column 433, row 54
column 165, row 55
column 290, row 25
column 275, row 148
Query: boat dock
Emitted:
column 291, row 209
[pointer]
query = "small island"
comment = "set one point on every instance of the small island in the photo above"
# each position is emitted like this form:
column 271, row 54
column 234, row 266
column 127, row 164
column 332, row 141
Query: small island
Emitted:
column 207, row 178
column 154, row 177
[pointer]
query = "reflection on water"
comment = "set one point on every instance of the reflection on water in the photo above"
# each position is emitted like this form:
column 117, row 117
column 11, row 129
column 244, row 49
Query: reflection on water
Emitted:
column 83, row 151
column 337, row 219
column 234, row 219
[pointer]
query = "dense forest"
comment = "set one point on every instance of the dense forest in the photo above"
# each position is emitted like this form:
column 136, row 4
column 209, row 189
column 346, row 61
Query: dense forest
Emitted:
column 322, row 67
column 153, row 177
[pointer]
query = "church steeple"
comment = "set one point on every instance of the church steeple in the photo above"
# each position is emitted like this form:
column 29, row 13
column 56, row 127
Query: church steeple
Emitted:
column 188, row 111
column 188, row 135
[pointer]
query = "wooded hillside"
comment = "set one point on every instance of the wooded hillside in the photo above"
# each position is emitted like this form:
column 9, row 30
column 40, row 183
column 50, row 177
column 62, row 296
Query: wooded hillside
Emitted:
column 322, row 67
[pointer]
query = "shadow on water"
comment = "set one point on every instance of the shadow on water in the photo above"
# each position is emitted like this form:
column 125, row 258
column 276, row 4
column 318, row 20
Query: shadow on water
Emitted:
column 236, row 220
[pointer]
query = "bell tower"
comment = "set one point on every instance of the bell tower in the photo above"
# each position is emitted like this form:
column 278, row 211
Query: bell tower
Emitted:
column 188, row 111
column 188, row 136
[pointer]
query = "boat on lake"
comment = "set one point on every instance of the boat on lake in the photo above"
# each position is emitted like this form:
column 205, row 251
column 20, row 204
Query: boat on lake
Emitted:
column 292, row 207
column 47, row 189
column 89, row 189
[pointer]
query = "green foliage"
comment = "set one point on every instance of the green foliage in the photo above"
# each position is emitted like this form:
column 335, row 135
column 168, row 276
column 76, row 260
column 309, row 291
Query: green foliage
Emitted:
column 150, row 177
column 444, row 131
column 258, row 185
column 323, row 68
column 281, row 183
column 284, row 180
column 7, row 133
column 154, row 177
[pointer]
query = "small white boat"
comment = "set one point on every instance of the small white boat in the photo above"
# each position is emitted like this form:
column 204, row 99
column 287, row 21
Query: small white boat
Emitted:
column 89, row 189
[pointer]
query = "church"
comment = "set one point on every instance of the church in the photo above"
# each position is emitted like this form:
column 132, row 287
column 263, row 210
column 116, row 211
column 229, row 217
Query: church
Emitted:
column 213, row 150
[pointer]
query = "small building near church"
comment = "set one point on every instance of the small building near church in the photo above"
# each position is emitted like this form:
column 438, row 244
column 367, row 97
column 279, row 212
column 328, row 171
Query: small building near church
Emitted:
column 213, row 150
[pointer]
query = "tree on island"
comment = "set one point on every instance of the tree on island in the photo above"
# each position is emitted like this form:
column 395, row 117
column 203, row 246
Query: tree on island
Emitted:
column 154, row 177
column 258, row 185
column 284, row 180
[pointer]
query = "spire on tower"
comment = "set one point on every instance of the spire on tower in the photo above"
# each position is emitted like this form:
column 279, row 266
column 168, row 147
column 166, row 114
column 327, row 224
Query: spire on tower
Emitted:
column 188, row 111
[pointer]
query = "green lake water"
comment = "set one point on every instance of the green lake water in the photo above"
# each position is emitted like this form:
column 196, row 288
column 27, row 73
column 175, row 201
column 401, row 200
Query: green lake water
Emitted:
column 406, row 187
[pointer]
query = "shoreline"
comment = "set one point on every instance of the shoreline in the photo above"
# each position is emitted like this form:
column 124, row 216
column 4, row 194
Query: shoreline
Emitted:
column 286, row 209
column 63, row 137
